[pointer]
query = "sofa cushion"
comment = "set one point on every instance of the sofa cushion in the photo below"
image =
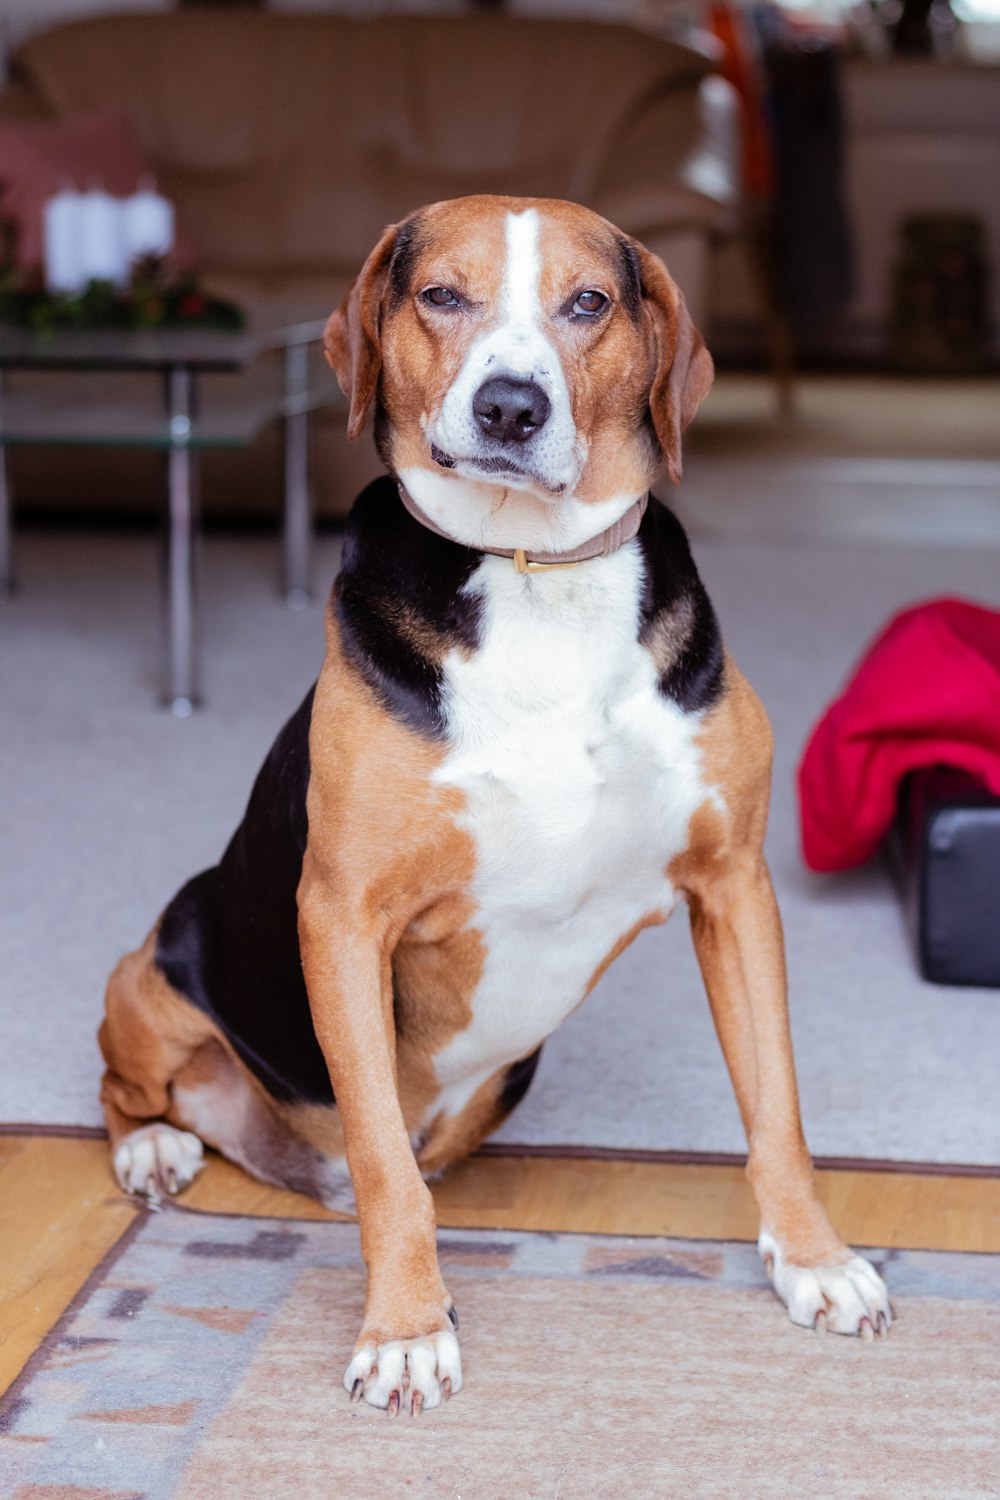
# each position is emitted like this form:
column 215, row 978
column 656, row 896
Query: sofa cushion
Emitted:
column 288, row 141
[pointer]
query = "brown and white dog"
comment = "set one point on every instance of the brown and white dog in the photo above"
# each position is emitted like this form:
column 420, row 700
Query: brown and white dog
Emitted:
column 513, row 761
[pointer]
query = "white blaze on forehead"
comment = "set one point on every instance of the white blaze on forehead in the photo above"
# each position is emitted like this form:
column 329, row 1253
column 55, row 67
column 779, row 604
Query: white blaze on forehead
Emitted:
column 515, row 342
column 520, row 298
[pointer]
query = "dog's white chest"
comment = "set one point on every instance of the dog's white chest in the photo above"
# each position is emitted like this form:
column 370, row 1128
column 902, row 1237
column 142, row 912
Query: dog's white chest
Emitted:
column 579, row 781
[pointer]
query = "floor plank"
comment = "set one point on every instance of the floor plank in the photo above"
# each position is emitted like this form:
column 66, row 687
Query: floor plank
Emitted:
column 898, row 1209
column 62, row 1212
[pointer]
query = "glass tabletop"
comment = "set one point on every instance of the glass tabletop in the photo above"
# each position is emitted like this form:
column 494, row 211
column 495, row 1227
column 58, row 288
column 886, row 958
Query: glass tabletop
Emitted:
column 142, row 349
column 89, row 395
column 111, row 411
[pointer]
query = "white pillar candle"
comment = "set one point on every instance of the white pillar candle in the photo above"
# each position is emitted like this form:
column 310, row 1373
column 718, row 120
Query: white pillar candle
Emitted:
column 148, row 220
column 62, row 224
column 101, row 239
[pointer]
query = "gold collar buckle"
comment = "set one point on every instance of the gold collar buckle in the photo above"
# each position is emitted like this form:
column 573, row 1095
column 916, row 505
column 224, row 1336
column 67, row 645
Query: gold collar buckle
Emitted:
column 522, row 565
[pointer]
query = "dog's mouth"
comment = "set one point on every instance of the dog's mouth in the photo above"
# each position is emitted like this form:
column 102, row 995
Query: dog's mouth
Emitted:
column 495, row 466
column 441, row 458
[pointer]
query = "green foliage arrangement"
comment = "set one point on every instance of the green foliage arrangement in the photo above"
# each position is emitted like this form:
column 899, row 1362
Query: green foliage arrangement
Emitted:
column 160, row 295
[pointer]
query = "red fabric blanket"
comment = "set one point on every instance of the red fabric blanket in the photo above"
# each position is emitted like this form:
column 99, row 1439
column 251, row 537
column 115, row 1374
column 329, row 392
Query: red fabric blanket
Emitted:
column 926, row 693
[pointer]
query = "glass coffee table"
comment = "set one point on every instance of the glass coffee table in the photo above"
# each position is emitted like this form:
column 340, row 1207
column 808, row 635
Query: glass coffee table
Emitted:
column 283, row 378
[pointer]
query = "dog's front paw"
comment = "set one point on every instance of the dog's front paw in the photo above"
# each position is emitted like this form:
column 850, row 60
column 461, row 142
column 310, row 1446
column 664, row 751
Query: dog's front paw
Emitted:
column 414, row 1374
column 849, row 1297
column 157, row 1159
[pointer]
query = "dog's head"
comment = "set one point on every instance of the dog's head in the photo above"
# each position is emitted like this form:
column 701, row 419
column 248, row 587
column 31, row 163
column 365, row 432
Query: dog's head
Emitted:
column 524, row 343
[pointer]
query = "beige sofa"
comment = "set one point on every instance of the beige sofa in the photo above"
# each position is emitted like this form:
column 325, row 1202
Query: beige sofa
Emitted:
column 289, row 141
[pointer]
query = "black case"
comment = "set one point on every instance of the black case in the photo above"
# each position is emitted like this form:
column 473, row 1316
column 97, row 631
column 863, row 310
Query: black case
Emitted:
column 944, row 849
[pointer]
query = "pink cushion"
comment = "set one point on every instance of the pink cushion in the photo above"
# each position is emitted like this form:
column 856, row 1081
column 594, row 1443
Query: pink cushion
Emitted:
column 38, row 157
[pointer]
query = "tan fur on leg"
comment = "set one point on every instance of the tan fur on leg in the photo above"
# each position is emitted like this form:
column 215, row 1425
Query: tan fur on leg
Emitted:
column 405, row 856
column 737, row 933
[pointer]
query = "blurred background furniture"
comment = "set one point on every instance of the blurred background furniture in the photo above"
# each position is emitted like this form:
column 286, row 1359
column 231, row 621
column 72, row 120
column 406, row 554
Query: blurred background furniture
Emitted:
column 755, row 226
column 163, row 416
column 920, row 135
column 287, row 143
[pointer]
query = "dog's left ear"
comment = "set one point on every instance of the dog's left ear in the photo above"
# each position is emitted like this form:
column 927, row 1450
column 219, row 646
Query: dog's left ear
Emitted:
column 684, row 369
column 353, row 337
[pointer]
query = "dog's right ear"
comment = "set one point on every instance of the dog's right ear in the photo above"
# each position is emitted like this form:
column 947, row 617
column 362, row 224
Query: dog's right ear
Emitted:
column 353, row 335
column 684, row 369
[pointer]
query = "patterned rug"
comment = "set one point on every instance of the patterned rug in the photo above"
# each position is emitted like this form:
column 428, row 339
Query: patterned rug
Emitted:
column 204, row 1357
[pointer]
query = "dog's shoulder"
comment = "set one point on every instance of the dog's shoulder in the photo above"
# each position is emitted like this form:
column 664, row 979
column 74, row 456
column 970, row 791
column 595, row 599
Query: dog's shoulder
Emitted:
column 678, row 624
column 399, row 606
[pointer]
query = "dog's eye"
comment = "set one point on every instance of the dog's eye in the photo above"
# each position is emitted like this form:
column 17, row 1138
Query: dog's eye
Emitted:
column 590, row 302
column 440, row 296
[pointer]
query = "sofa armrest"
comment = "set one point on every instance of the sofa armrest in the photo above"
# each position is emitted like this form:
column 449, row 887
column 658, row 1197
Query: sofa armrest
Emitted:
column 677, row 166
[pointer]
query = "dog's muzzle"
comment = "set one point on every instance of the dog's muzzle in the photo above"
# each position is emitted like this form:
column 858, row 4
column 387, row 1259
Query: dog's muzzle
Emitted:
column 510, row 411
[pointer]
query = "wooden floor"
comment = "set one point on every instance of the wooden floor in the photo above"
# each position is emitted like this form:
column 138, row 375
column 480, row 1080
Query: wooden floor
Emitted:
column 62, row 1212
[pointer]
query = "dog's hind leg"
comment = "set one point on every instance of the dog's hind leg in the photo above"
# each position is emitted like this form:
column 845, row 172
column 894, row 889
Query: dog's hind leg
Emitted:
column 148, row 1036
column 172, row 1083
column 296, row 1147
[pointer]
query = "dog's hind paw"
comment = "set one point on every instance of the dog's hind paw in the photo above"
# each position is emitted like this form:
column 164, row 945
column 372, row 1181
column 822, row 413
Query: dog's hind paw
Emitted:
column 157, row 1160
column 847, row 1298
column 412, row 1374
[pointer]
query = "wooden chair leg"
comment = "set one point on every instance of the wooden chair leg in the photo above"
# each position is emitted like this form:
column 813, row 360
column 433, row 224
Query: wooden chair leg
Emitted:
column 760, row 240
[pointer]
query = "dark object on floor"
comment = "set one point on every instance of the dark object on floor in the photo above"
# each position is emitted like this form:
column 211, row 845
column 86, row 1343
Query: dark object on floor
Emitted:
column 940, row 312
column 926, row 693
column 944, row 848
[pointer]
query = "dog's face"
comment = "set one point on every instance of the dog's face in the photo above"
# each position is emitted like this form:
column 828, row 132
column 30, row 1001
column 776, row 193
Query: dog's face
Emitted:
column 525, row 343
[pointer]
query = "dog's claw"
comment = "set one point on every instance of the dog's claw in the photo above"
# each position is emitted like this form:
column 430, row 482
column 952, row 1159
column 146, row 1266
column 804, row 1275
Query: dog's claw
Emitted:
column 866, row 1331
column 881, row 1326
column 410, row 1375
column 157, row 1159
column 453, row 1315
column 820, row 1324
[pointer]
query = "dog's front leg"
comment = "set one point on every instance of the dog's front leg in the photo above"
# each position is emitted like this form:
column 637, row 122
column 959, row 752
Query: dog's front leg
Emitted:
column 738, row 938
column 407, row 1352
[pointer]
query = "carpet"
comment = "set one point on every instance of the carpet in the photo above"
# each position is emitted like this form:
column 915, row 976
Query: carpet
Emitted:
column 863, row 458
column 205, row 1359
column 855, row 415
column 108, row 805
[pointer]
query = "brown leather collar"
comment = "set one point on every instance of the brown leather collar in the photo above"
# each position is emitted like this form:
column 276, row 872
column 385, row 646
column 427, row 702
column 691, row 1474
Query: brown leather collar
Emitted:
column 623, row 530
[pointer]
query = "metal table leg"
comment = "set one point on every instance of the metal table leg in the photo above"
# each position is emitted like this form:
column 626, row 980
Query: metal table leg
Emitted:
column 298, row 512
column 6, row 521
column 180, row 693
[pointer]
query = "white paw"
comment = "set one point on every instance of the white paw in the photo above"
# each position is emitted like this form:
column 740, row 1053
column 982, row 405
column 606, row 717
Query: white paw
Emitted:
column 157, row 1159
column 413, row 1373
column 846, row 1298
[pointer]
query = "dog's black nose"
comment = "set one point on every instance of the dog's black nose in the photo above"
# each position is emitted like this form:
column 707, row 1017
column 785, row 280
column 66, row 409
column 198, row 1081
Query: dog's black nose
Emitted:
column 511, row 410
